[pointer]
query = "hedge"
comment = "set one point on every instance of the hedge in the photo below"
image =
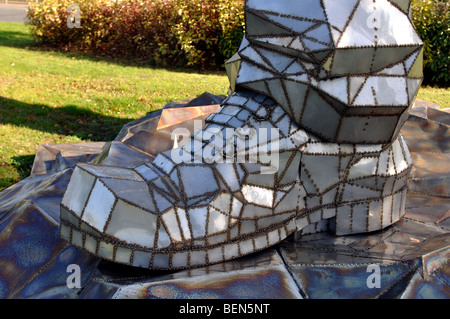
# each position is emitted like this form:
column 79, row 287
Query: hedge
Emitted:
column 198, row 33
column 432, row 21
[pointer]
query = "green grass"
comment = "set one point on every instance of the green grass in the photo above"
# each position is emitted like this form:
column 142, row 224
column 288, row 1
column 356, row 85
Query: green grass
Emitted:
column 439, row 96
column 54, row 97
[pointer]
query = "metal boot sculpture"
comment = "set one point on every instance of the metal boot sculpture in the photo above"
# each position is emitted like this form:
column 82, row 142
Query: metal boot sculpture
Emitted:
column 308, row 141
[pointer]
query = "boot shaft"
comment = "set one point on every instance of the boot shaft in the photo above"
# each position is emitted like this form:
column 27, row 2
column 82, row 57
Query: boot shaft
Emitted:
column 347, row 71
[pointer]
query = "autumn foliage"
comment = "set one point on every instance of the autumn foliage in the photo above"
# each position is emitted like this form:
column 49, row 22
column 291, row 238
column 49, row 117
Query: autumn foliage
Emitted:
column 199, row 33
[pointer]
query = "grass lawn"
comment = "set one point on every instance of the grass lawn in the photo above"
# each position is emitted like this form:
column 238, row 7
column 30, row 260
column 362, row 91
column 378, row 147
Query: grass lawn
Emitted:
column 440, row 96
column 50, row 97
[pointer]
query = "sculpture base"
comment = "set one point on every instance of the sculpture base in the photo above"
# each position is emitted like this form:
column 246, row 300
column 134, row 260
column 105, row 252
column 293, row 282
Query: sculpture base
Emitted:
column 410, row 258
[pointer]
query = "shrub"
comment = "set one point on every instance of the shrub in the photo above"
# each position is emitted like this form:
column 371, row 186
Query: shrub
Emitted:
column 200, row 33
column 129, row 29
column 209, row 32
column 432, row 21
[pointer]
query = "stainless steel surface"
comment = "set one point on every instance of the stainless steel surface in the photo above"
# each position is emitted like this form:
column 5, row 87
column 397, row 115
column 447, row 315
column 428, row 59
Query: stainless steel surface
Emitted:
column 412, row 254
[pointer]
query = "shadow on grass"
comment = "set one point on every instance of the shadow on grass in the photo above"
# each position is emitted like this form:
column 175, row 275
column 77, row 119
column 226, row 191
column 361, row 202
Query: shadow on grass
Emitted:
column 16, row 39
column 66, row 121
column 22, row 37
column 426, row 82
column 19, row 168
column 121, row 61
column 6, row 182
column 23, row 165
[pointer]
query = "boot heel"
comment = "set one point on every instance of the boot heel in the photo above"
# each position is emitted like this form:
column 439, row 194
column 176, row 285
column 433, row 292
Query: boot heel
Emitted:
column 354, row 218
column 369, row 216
